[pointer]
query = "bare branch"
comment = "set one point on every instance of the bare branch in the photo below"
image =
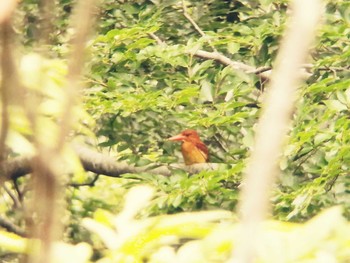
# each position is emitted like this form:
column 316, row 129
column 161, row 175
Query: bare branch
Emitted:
column 157, row 39
column 18, row 191
column 100, row 164
column 15, row 168
column 106, row 165
column 16, row 201
column 9, row 226
column 194, row 24
column 91, row 183
column 222, row 59
column 263, row 72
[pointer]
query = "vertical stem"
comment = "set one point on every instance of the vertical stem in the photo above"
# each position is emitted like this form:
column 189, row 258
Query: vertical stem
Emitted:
column 47, row 13
column 9, row 82
column 46, row 165
column 47, row 230
column 6, row 61
column 45, row 179
column 273, row 126
column 83, row 22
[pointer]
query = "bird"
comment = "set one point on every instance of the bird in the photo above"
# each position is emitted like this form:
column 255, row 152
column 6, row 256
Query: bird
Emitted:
column 192, row 148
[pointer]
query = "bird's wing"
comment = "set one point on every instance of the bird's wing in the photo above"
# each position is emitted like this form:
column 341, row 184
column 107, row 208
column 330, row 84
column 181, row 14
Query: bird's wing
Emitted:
column 203, row 149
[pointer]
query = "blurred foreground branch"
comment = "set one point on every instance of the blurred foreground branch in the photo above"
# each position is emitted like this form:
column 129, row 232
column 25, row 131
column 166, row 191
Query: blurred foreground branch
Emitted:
column 273, row 126
column 47, row 178
column 8, row 82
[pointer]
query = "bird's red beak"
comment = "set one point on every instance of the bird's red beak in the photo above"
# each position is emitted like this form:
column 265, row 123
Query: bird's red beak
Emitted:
column 178, row 137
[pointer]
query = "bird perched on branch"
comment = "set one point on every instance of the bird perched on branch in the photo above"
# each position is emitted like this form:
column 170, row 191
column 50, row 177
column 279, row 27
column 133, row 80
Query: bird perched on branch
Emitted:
column 192, row 148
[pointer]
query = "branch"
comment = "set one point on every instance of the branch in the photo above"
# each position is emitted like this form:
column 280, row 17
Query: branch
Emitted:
column 9, row 226
column 83, row 21
column 263, row 72
column 6, row 79
column 331, row 183
column 99, row 163
column 194, row 24
column 8, row 72
column 157, row 39
column 222, row 59
column 262, row 168
column 106, row 165
column 91, row 183
column 16, row 201
column 15, row 168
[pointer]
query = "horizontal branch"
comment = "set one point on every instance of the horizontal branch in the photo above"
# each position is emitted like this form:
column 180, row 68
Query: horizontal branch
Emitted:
column 263, row 72
column 100, row 164
column 9, row 226
column 92, row 161
column 15, row 167
column 222, row 59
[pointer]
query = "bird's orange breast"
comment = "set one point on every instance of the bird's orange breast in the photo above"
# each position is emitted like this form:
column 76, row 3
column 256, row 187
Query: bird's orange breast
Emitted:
column 192, row 148
column 193, row 154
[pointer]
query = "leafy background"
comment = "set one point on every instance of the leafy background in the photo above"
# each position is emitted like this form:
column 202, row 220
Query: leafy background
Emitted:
column 142, row 92
column 144, row 84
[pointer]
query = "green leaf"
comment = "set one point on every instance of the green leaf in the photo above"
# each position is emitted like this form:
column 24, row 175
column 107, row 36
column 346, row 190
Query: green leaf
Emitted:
column 199, row 69
column 12, row 243
column 142, row 162
column 322, row 137
column 335, row 105
column 206, row 91
column 233, row 47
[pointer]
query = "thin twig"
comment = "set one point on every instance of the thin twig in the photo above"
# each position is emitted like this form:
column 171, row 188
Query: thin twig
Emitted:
column 194, row 24
column 331, row 183
column 18, row 191
column 96, row 82
column 15, row 200
column 260, row 70
column 156, row 38
column 91, row 183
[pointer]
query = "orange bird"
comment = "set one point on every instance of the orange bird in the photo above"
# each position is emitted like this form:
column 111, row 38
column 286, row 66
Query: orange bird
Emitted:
column 192, row 148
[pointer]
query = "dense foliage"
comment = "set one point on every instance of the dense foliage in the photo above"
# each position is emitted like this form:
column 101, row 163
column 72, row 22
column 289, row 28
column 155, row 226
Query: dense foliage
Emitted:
column 143, row 90
column 146, row 81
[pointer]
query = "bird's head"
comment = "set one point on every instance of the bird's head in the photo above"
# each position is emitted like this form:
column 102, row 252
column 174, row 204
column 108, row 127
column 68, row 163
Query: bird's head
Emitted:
column 192, row 148
column 186, row 135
